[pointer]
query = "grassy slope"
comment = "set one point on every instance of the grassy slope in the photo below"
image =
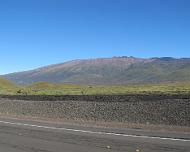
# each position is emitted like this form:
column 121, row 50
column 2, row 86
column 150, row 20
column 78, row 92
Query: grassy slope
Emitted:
column 64, row 89
column 44, row 88
column 7, row 87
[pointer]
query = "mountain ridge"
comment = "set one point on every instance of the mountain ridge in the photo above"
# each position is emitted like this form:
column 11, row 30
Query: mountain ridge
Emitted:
column 104, row 71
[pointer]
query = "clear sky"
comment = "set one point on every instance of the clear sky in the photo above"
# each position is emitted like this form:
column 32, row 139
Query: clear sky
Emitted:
column 35, row 33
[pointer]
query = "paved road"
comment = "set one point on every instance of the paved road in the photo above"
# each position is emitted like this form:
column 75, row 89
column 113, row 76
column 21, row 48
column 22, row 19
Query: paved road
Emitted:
column 29, row 136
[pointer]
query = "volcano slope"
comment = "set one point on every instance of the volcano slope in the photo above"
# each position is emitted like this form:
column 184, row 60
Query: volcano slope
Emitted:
column 109, row 71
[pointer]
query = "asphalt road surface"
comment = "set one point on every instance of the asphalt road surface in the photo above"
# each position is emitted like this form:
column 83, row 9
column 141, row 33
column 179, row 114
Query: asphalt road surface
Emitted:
column 30, row 136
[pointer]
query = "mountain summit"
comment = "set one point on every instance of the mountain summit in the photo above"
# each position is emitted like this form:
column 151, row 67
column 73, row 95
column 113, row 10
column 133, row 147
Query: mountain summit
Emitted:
column 105, row 71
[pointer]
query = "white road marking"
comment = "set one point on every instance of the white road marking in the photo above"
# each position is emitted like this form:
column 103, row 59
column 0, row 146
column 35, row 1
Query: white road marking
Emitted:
column 94, row 132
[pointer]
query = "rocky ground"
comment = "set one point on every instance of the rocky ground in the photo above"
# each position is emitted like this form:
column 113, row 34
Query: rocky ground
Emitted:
column 139, row 109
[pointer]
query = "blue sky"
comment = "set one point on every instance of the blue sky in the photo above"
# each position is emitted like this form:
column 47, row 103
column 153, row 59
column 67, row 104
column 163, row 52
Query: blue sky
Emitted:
column 35, row 33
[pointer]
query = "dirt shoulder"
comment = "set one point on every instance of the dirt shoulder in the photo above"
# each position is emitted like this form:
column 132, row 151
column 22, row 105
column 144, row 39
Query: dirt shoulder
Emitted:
column 99, row 124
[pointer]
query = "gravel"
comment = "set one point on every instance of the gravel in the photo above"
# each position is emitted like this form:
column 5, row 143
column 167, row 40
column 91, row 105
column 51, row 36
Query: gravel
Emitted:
column 149, row 109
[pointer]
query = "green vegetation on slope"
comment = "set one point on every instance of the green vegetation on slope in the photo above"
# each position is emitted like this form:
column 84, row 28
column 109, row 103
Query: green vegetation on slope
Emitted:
column 43, row 88
column 7, row 87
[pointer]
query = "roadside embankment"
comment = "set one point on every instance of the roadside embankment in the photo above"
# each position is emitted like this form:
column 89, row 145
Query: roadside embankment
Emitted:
column 142, row 109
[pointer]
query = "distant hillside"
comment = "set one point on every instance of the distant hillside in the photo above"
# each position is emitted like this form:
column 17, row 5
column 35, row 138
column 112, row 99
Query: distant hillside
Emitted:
column 109, row 71
column 6, row 87
column 6, row 83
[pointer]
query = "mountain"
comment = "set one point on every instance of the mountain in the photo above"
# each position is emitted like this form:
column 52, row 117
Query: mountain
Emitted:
column 114, row 71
